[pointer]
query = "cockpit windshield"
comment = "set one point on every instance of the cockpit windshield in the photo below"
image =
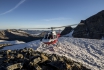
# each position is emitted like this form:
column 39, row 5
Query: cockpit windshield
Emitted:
column 49, row 36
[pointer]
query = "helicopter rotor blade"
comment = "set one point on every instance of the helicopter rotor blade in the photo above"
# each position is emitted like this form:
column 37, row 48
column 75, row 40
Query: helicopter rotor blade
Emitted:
column 55, row 27
column 68, row 25
column 35, row 28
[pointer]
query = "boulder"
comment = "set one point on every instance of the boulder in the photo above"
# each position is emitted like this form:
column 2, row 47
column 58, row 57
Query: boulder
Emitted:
column 14, row 66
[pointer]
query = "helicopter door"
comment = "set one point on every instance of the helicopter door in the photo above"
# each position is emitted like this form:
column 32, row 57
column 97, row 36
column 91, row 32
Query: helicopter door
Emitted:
column 54, row 36
column 48, row 36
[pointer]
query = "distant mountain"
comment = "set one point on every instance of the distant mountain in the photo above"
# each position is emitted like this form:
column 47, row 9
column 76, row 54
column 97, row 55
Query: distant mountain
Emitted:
column 17, row 35
column 33, row 32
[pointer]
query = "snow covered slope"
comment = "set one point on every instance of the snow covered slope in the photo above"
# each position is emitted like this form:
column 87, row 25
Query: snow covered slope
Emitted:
column 89, row 52
column 33, row 44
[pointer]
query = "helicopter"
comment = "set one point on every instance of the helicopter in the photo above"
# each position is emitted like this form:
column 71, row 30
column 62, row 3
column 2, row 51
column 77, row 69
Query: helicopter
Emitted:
column 51, row 38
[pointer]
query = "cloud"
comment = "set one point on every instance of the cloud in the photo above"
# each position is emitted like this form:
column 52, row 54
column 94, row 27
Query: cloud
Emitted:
column 55, row 19
column 22, row 1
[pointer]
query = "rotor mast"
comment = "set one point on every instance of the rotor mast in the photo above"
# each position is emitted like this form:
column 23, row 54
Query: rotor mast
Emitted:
column 52, row 28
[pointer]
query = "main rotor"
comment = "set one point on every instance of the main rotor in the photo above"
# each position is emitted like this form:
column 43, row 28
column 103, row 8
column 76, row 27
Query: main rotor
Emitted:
column 55, row 27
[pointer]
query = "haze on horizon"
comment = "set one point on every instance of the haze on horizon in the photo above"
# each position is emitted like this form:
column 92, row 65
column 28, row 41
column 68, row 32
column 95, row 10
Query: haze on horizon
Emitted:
column 46, row 13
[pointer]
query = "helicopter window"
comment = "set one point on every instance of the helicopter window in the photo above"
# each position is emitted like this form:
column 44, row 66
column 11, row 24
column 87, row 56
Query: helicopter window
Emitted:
column 55, row 36
column 50, row 36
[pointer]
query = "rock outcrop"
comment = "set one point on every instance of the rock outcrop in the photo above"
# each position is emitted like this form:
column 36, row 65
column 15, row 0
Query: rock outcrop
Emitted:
column 66, row 30
column 11, row 35
column 29, row 59
column 93, row 27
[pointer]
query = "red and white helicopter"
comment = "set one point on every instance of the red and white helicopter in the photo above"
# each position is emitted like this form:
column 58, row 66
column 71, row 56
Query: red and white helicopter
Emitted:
column 51, row 38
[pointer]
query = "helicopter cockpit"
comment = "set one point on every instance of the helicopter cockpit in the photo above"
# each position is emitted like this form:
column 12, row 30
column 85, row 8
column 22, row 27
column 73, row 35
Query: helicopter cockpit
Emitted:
column 51, row 35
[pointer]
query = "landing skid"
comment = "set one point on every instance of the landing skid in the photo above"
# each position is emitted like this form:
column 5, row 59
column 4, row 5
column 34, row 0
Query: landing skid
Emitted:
column 47, row 45
column 51, row 47
column 43, row 45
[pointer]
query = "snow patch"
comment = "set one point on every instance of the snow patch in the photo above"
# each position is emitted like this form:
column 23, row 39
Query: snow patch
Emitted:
column 11, row 42
column 33, row 44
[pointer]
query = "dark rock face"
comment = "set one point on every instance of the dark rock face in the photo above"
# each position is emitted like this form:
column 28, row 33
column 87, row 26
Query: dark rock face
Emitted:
column 81, row 31
column 66, row 30
column 21, row 36
column 93, row 27
column 29, row 59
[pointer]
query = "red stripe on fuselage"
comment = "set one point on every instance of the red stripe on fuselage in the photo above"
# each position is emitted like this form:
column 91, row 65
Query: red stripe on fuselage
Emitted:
column 52, row 42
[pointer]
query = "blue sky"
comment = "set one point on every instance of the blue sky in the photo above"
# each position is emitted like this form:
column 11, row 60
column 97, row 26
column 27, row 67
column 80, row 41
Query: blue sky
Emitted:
column 46, row 13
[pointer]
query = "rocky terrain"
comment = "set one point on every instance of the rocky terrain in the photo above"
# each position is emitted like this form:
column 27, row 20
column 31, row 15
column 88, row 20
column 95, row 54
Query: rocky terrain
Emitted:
column 29, row 59
column 11, row 35
column 93, row 27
